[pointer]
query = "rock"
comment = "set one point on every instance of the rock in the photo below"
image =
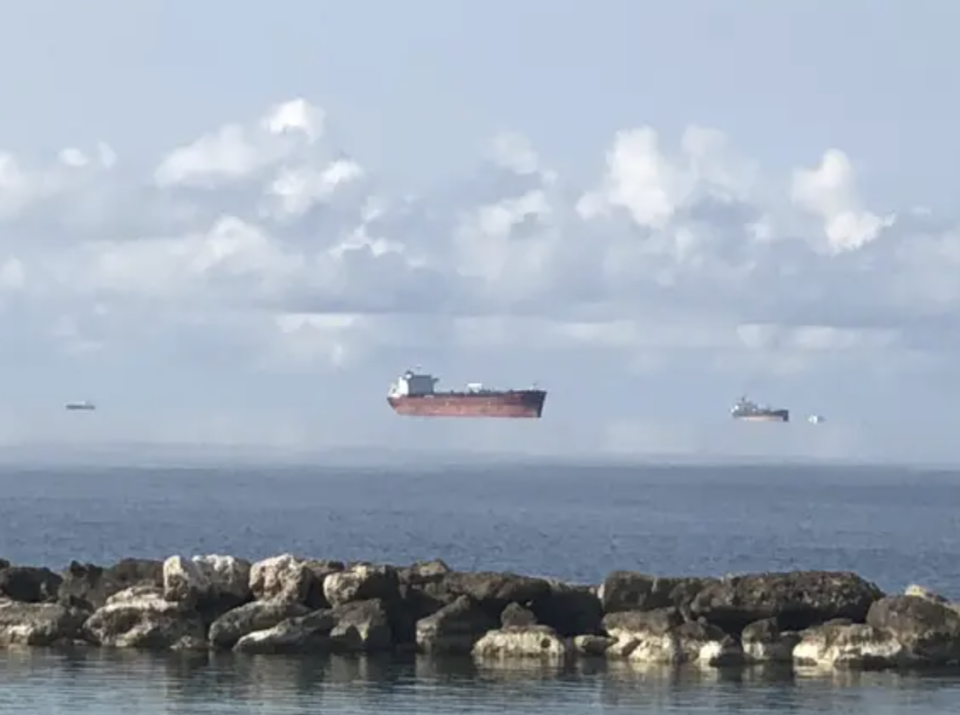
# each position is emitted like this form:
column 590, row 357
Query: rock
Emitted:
column 797, row 599
column 569, row 609
column 834, row 619
column 662, row 636
column 320, row 569
column 423, row 572
column 362, row 627
column 282, row 578
column 929, row 631
column 208, row 583
column 924, row 593
column 521, row 642
column 362, row 582
column 92, row 585
column 493, row 591
column 255, row 616
column 516, row 616
column 928, row 595
column 764, row 642
column 140, row 617
column 29, row 584
column 304, row 634
column 38, row 624
column 853, row 645
column 455, row 628
column 588, row 645
column 631, row 591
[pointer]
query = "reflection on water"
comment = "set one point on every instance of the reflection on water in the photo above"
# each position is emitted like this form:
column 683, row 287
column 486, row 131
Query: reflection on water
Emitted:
column 105, row 682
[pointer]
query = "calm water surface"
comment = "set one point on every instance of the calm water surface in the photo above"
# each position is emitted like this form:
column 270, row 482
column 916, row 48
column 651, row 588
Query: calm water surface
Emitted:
column 893, row 526
column 100, row 682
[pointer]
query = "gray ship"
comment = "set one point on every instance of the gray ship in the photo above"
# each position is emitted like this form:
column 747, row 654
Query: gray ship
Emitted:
column 752, row 412
column 85, row 406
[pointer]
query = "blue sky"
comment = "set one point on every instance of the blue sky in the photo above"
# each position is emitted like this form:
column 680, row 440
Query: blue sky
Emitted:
column 266, row 212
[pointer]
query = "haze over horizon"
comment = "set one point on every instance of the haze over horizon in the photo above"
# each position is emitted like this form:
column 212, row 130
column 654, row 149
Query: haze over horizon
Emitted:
column 646, row 208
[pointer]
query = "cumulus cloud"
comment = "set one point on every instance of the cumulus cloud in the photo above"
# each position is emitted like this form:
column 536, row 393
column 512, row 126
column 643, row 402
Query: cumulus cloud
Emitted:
column 263, row 236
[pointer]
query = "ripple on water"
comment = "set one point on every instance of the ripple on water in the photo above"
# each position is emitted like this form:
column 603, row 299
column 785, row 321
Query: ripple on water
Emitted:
column 107, row 682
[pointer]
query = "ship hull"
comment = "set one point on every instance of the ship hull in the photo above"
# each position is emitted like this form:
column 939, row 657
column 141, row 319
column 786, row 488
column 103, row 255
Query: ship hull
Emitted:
column 778, row 416
column 522, row 404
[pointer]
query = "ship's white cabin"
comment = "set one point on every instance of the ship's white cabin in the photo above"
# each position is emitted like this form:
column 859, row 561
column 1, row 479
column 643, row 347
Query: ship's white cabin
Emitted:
column 412, row 384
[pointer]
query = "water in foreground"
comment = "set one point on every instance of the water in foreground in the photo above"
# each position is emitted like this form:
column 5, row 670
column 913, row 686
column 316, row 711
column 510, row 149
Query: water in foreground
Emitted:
column 891, row 526
column 108, row 683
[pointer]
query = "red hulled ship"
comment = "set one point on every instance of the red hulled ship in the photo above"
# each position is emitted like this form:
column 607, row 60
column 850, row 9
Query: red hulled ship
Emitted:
column 413, row 394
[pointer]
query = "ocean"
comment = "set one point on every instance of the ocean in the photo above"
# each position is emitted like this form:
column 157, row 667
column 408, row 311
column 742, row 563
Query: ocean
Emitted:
column 892, row 525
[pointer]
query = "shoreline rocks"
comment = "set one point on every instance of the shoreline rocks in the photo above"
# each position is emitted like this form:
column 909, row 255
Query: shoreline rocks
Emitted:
column 292, row 605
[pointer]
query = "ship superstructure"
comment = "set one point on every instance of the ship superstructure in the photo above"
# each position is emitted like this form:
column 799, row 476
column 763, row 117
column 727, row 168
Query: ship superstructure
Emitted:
column 750, row 411
column 415, row 394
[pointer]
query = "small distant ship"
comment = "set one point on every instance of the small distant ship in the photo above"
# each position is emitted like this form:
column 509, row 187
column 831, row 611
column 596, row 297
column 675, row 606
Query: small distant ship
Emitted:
column 85, row 405
column 752, row 412
column 414, row 394
column 816, row 419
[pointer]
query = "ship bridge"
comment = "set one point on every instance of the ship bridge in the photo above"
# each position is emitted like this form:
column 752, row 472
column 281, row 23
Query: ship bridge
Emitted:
column 412, row 384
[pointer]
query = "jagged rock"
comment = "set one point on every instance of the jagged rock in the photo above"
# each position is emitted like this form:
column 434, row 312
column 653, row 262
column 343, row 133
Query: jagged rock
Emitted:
column 797, row 599
column 140, row 617
column 631, row 591
column 764, row 642
column 493, row 591
column 29, row 584
column 805, row 617
column 928, row 595
column 925, row 593
column 662, row 636
column 38, row 624
column 316, row 600
column 928, row 630
column 516, row 616
column 423, row 572
column 254, row 616
column 848, row 645
column 362, row 627
column 521, row 642
column 304, row 634
column 362, row 582
column 92, row 585
column 281, row 578
column 455, row 628
column 570, row 610
column 422, row 593
column 211, row 583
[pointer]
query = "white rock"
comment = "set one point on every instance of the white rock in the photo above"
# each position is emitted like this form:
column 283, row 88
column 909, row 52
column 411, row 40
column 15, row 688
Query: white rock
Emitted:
column 211, row 576
column 282, row 578
column 362, row 582
column 140, row 598
column 853, row 645
column 521, row 642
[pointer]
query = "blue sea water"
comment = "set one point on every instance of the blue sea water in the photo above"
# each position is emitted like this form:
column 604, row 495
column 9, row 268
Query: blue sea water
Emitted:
column 894, row 526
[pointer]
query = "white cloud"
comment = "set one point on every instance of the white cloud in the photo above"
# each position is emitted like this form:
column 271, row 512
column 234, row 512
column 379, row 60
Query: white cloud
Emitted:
column 263, row 237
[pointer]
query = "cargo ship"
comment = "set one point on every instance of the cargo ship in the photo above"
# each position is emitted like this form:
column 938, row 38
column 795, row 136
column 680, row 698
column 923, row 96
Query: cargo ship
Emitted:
column 752, row 412
column 414, row 395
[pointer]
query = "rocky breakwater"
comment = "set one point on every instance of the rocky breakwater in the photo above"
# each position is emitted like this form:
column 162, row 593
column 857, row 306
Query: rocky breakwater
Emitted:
column 287, row 604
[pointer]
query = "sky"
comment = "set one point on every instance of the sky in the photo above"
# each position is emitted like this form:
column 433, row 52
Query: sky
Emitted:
column 234, row 224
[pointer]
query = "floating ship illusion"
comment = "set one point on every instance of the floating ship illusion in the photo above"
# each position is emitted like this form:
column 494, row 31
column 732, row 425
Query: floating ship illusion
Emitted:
column 413, row 394
column 752, row 412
